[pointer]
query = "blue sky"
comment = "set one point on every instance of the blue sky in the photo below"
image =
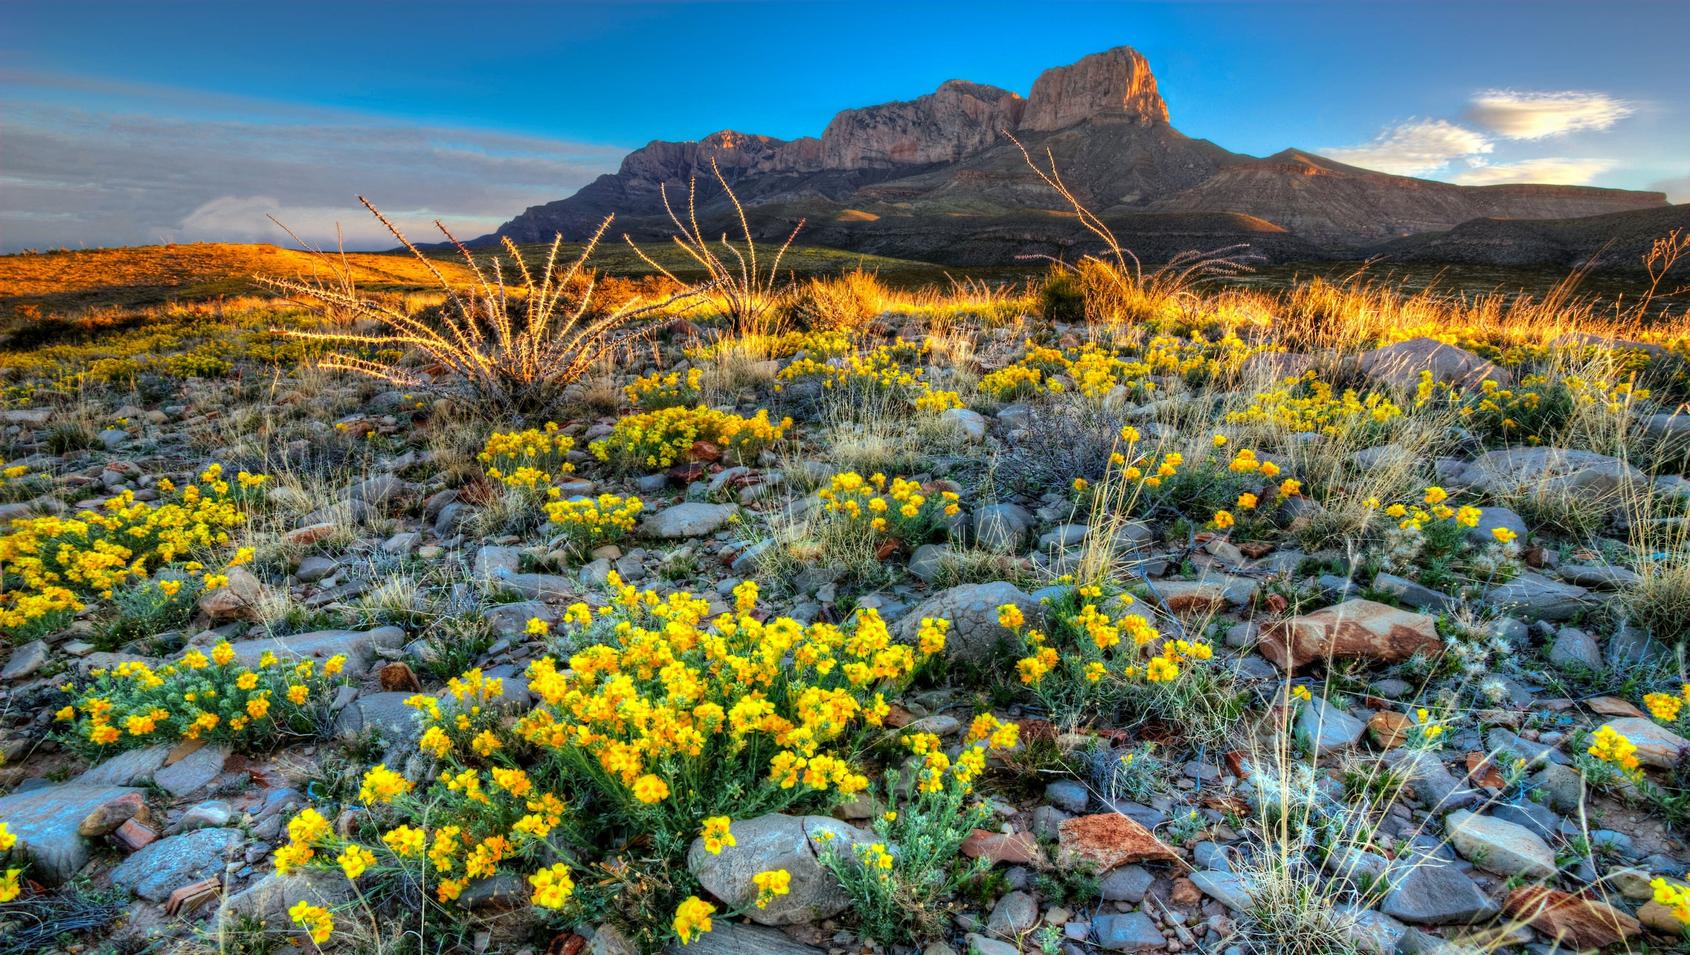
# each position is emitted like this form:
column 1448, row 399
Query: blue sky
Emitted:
column 141, row 122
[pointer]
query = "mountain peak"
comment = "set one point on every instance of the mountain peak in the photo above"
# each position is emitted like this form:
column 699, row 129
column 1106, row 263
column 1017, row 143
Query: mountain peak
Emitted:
column 1114, row 83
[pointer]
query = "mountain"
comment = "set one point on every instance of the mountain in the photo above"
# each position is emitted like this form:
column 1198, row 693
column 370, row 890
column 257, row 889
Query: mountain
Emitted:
column 1617, row 240
column 937, row 178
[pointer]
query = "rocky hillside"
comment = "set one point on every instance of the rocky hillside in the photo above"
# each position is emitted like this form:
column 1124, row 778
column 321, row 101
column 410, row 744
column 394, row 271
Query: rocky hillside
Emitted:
column 1617, row 240
column 936, row 177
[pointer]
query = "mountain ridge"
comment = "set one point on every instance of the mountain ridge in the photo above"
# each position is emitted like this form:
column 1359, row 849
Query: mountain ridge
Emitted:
column 923, row 177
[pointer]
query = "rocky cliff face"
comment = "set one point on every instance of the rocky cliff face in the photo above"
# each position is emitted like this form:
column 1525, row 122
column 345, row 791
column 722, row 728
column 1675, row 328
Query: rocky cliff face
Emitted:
column 958, row 120
column 933, row 177
column 1113, row 84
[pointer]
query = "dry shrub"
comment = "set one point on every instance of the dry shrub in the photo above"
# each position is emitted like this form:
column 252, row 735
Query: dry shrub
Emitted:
column 502, row 346
column 840, row 302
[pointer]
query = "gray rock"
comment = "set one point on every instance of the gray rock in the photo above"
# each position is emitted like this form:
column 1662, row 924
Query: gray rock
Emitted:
column 207, row 815
column 1127, row 932
column 1430, row 892
column 1127, row 883
column 1534, row 595
column 927, row 560
column 1598, row 576
column 1068, row 794
column 1412, row 594
column 1399, row 365
column 1539, row 819
column 982, row 945
column 1573, row 648
column 1014, row 913
column 1371, row 932
column 1554, row 471
column 511, row 620
column 970, row 423
column 1631, row 646
column 1496, row 845
column 1491, row 518
column 972, row 609
column 1229, row 888
column 382, row 713
column 45, row 820
column 1001, row 527
column 691, row 519
column 1563, row 786
column 313, row 569
column 358, row 646
column 126, row 768
column 1430, row 780
column 540, row 586
column 162, row 867
column 25, row 660
column 268, row 899
column 778, row 841
column 1326, row 728
column 193, row 771
column 1208, row 855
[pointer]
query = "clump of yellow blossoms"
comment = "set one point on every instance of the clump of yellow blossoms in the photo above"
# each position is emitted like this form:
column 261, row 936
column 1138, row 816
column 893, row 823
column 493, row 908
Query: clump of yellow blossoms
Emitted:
column 1539, row 408
column 1095, row 651
column 1308, row 404
column 52, row 565
column 659, row 390
column 896, row 509
column 527, row 460
column 659, row 439
column 1428, row 541
column 664, row 718
column 1611, row 747
column 315, row 919
column 201, row 695
column 587, row 522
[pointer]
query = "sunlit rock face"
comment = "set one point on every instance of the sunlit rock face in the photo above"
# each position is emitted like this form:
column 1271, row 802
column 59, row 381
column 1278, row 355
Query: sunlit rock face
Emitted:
column 1113, row 84
column 958, row 120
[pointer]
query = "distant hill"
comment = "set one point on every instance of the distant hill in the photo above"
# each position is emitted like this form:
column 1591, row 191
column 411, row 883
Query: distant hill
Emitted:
column 1616, row 241
column 936, row 178
column 153, row 274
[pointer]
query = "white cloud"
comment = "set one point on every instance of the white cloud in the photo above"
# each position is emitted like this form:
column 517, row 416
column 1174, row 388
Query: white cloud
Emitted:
column 147, row 172
column 1522, row 114
column 1415, row 148
column 1557, row 171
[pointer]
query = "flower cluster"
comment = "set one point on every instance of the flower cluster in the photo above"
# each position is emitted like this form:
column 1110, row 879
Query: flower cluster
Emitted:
column 213, row 696
column 587, row 522
column 1535, row 410
column 659, row 390
column 9, row 887
column 1087, row 655
column 1310, row 405
column 1012, row 383
column 1428, row 540
column 51, row 565
column 896, row 510
column 1613, row 748
column 527, row 460
column 658, row 439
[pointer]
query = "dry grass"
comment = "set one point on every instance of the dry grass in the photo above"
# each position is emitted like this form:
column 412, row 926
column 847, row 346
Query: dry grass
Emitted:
column 507, row 348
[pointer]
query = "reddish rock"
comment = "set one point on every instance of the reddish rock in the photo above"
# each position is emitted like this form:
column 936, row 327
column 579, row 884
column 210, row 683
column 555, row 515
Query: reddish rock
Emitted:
column 1354, row 629
column 1114, row 83
column 1483, row 772
column 310, row 534
column 1185, row 892
column 1612, row 706
column 1018, row 849
column 1390, row 728
column 1580, row 923
column 133, row 835
column 237, row 600
column 111, row 814
column 1107, row 840
column 397, row 676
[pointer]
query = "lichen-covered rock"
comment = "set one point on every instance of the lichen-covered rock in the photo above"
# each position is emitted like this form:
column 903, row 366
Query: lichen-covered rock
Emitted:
column 975, row 635
column 778, row 841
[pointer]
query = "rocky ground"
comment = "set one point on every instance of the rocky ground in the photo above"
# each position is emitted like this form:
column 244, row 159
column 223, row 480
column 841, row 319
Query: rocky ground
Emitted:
column 1460, row 736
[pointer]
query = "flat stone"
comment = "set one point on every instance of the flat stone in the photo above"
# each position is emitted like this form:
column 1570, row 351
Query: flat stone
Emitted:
column 207, row 815
column 975, row 635
column 1656, row 745
column 46, row 820
column 1127, row 883
column 1400, row 364
column 691, row 519
column 778, row 841
column 1585, row 474
column 127, row 768
column 1573, row 648
column 1579, row 923
column 1496, row 845
column 1229, row 888
column 1127, row 932
column 1325, row 728
column 25, row 660
column 382, row 713
column 193, row 771
column 1106, row 840
column 1534, row 595
column 1016, row 912
column 1354, row 629
column 1012, row 848
column 358, row 646
column 739, row 938
column 169, row 864
column 1430, row 891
